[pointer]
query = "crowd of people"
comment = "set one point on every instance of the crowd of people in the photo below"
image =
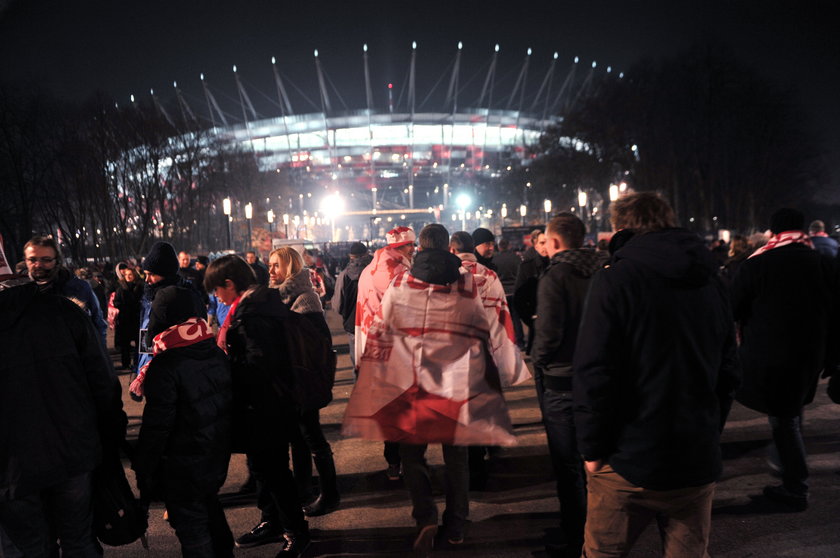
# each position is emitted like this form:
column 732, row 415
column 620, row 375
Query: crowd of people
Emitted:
column 637, row 347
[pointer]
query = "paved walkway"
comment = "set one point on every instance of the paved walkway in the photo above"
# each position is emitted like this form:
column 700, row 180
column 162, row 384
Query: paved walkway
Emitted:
column 512, row 516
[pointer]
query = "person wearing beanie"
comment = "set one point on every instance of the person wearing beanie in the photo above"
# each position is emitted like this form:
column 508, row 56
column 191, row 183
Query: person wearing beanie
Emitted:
column 388, row 262
column 823, row 243
column 485, row 246
column 347, row 290
column 184, row 443
column 781, row 286
column 164, row 288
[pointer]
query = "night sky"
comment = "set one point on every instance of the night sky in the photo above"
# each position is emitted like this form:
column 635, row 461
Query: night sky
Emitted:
column 73, row 48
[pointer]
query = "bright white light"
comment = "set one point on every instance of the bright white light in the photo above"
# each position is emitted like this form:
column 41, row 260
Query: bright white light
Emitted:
column 201, row 76
column 613, row 192
column 316, row 53
column 460, row 45
column 594, row 64
column 413, row 45
column 234, row 68
column 152, row 92
column 332, row 206
column 497, row 47
column 273, row 61
column 463, row 201
column 582, row 198
column 226, row 206
column 249, row 210
column 269, row 216
column 175, row 84
column 529, row 52
column 364, row 47
column 504, row 211
column 285, row 218
column 577, row 59
column 609, row 69
column 622, row 187
column 132, row 98
column 547, row 206
column 523, row 210
column 556, row 55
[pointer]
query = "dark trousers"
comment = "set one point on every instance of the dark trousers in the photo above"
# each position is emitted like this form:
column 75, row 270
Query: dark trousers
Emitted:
column 568, row 468
column 307, row 443
column 787, row 437
column 277, row 496
column 201, row 526
column 392, row 453
column 419, row 482
column 63, row 512
column 517, row 323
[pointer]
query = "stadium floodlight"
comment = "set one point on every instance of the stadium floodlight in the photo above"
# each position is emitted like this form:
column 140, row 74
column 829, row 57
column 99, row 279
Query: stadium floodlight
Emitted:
column 463, row 201
column 332, row 205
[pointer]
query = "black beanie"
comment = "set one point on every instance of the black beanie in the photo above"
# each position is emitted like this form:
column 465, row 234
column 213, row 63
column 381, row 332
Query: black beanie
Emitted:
column 481, row 235
column 162, row 260
column 786, row 219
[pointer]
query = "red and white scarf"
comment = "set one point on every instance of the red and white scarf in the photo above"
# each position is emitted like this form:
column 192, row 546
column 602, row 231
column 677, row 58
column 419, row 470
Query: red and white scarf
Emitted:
column 783, row 239
column 184, row 334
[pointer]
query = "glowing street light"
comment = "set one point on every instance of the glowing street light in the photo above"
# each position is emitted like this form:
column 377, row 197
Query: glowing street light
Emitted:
column 547, row 208
column 523, row 211
column 226, row 209
column 249, row 213
column 463, row 202
column 269, row 216
column 582, row 198
column 504, row 213
column 286, row 223
column 613, row 192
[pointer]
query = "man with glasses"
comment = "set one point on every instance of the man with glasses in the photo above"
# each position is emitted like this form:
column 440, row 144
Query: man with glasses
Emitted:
column 44, row 264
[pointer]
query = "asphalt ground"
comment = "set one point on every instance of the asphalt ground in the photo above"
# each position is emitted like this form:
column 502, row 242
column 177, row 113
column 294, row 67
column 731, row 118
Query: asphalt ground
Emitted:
column 519, row 509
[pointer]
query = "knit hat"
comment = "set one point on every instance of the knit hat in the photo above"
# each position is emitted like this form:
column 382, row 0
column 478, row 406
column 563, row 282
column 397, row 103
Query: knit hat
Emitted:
column 358, row 249
column 481, row 235
column 400, row 236
column 786, row 219
column 162, row 260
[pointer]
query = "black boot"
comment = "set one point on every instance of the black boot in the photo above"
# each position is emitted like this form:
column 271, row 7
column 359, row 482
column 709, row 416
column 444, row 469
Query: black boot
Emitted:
column 329, row 498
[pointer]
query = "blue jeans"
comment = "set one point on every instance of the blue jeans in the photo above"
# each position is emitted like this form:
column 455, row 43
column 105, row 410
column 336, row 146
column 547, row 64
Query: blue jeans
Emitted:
column 62, row 511
column 787, row 436
column 419, row 483
column 559, row 424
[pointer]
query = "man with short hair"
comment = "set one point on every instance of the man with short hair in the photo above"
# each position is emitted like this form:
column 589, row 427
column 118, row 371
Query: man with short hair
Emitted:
column 823, row 243
column 507, row 264
column 347, row 290
column 388, row 262
column 44, row 262
column 525, row 289
column 655, row 369
column 784, row 297
column 433, row 368
column 260, row 270
column 561, row 293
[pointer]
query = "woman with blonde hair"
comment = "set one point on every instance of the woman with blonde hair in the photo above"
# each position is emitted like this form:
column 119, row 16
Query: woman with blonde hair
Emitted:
column 288, row 274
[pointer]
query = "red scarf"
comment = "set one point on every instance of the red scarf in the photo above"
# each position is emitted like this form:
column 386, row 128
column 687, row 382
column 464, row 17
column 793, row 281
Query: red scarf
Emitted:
column 184, row 334
column 221, row 340
column 783, row 239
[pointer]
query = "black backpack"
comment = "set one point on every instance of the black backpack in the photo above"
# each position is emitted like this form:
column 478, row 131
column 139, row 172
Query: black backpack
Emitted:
column 312, row 361
column 349, row 294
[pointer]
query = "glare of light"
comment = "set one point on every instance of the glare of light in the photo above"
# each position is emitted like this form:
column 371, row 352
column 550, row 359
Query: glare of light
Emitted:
column 285, row 218
column 613, row 192
column 547, row 206
column 364, row 47
column 234, row 68
column 463, row 201
column 175, row 84
column 226, row 206
column 529, row 52
column 582, row 197
column 497, row 47
column 460, row 45
column 504, row 211
column 577, row 59
column 621, row 75
column 201, row 76
column 594, row 64
column 523, row 210
column 622, row 187
column 556, row 55
column 413, row 45
column 249, row 210
column 332, row 205
column 609, row 69
column 269, row 216
column 273, row 61
column 132, row 98
column 316, row 53
column 152, row 92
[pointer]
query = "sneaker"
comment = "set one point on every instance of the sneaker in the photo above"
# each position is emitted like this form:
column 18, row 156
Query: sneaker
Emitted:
column 293, row 545
column 263, row 533
column 782, row 495
column 425, row 540
column 394, row 472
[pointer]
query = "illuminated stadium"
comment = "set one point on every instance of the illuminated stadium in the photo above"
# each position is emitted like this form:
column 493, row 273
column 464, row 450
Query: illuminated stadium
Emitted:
column 375, row 165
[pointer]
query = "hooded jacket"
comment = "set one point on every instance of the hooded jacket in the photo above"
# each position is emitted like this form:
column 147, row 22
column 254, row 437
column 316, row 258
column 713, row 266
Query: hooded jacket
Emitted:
column 348, row 307
column 59, row 397
column 261, row 379
column 185, row 438
column 561, row 293
column 435, row 362
column 655, row 366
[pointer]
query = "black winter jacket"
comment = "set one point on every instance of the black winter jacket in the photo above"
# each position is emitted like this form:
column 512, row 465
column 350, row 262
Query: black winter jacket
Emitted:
column 127, row 299
column 560, row 295
column 263, row 404
column 655, row 366
column 185, row 438
column 59, row 397
column 785, row 301
column 525, row 290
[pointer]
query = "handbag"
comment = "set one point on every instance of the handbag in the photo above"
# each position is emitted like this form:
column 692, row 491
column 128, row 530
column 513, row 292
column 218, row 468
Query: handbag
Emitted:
column 118, row 517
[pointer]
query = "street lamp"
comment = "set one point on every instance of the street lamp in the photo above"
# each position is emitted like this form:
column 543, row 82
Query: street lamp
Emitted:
column 286, row 223
column 523, row 210
column 582, row 198
column 269, row 216
column 332, row 206
column 249, row 212
column 227, row 210
column 463, row 201
column 613, row 192
column 547, row 208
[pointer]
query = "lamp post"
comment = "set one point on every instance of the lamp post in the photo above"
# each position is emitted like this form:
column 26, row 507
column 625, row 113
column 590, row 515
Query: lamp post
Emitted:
column 463, row 201
column 227, row 209
column 504, row 213
column 523, row 211
column 582, row 199
column 286, row 223
column 613, row 192
column 249, row 213
column 269, row 216
column 547, row 208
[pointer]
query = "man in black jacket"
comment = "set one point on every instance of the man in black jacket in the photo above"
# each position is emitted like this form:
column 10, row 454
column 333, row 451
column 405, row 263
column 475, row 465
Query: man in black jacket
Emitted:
column 784, row 297
column 525, row 289
column 561, row 292
column 655, row 370
column 60, row 407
